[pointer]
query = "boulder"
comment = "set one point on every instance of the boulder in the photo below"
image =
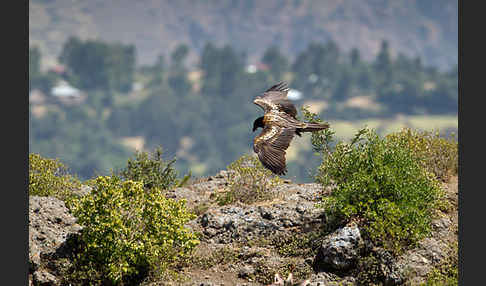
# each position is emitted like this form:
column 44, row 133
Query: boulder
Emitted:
column 340, row 250
column 50, row 226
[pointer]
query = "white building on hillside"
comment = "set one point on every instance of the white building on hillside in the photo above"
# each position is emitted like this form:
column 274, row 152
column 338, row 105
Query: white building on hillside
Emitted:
column 67, row 94
column 64, row 89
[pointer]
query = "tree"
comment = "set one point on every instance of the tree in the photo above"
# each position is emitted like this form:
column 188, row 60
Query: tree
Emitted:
column 355, row 57
column 156, row 72
column 276, row 61
column 317, row 69
column 383, row 64
column 97, row 65
column 222, row 69
column 344, row 85
column 178, row 80
column 179, row 54
column 87, row 63
column 121, row 66
column 42, row 81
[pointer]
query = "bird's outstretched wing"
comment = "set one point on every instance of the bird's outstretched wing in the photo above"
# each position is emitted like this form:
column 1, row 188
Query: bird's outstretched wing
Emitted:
column 270, row 147
column 275, row 99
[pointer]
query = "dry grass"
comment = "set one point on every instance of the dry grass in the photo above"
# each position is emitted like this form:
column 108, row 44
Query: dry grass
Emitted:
column 363, row 102
column 346, row 129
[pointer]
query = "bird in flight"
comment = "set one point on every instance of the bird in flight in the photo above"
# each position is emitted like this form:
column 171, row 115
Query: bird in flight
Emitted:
column 279, row 125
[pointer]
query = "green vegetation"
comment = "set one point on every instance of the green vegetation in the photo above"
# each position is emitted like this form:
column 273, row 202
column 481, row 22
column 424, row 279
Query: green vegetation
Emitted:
column 277, row 63
column 128, row 232
column 38, row 79
column 303, row 245
column 437, row 154
column 131, row 232
column 152, row 170
column 381, row 184
column 249, row 182
column 220, row 256
column 446, row 123
column 95, row 64
column 210, row 107
column 78, row 136
column 370, row 270
column 130, row 229
column 49, row 177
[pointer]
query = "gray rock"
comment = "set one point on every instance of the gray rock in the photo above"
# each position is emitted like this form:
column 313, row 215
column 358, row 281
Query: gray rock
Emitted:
column 326, row 278
column 391, row 274
column 246, row 271
column 44, row 278
column 227, row 224
column 50, row 226
column 422, row 259
column 340, row 250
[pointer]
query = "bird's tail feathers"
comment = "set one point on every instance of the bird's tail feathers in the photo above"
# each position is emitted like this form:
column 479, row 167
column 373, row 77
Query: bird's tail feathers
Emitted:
column 310, row 127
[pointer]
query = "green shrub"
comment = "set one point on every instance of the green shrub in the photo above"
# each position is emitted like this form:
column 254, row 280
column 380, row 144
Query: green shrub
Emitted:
column 129, row 232
column 49, row 177
column 437, row 154
column 248, row 182
column 224, row 255
column 298, row 244
column 380, row 183
column 152, row 170
column 321, row 140
column 370, row 270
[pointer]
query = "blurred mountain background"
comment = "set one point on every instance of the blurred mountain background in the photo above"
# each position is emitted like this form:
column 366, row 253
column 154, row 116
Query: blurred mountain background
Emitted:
column 110, row 77
column 416, row 28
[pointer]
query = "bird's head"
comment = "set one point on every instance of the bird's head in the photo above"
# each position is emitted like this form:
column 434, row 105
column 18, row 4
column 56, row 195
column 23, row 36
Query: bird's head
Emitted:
column 258, row 123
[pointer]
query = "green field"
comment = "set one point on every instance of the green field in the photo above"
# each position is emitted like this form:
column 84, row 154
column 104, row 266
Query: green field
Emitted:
column 346, row 129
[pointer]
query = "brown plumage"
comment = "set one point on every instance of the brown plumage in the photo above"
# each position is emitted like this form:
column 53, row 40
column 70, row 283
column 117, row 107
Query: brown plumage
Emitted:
column 279, row 125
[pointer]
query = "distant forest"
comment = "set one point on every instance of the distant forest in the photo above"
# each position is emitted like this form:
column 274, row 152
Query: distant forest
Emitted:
column 203, row 117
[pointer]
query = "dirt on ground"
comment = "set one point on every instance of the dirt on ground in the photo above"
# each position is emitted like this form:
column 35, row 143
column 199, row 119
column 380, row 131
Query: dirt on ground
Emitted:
column 246, row 244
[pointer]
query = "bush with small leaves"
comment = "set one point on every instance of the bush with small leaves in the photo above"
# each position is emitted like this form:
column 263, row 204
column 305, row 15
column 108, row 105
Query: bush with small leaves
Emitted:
column 248, row 182
column 298, row 244
column 49, row 177
column 152, row 170
column 321, row 140
column 437, row 154
column 380, row 183
column 128, row 232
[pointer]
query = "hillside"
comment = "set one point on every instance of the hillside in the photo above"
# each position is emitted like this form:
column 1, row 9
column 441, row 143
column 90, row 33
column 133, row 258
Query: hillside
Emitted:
column 245, row 244
column 380, row 212
column 412, row 27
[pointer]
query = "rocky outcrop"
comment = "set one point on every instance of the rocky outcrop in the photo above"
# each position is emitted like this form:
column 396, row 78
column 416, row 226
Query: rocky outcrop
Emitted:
column 294, row 212
column 293, row 208
column 50, row 226
column 245, row 233
column 340, row 250
column 431, row 251
column 243, row 223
